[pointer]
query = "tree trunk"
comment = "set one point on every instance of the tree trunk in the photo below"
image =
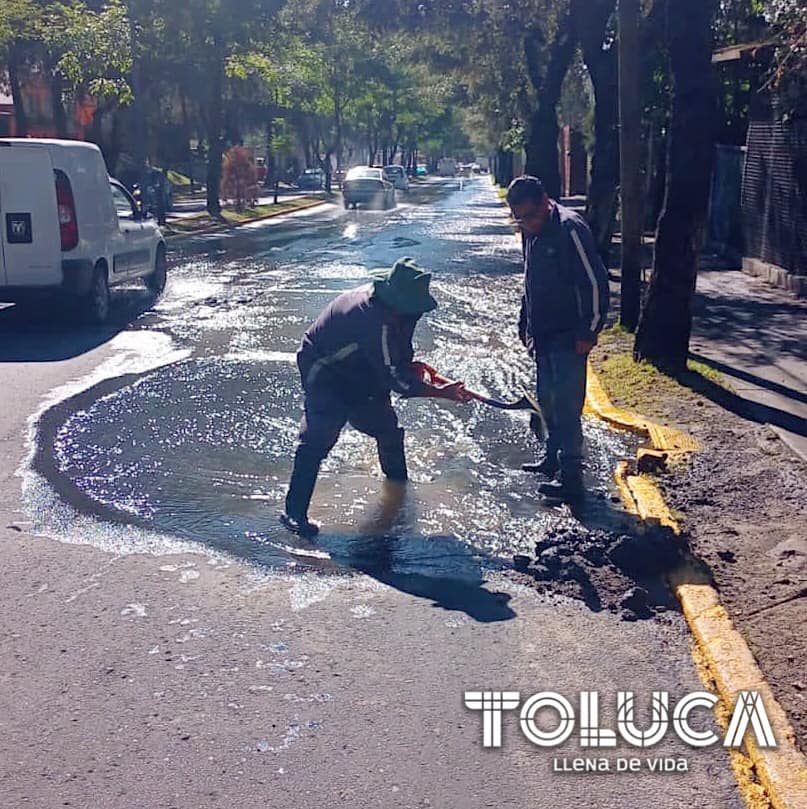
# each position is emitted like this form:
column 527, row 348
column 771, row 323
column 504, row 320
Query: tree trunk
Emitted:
column 271, row 178
column 215, row 125
column 666, row 322
column 542, row 141
column 604, row 182
column 113, row 146
column 20, row 118
column 327, row 167
column 592, row 24
column 57, row 102
column 338, row 108
column 630, row 158
column 504, row 168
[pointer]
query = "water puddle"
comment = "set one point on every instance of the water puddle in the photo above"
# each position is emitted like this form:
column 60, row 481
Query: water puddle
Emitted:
column 194, row 450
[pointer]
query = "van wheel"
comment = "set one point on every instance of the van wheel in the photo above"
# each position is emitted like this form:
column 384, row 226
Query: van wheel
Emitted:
column 96, row 301
column 155, row 281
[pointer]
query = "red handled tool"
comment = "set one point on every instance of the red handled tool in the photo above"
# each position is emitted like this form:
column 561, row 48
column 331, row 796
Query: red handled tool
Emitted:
column 432, row 377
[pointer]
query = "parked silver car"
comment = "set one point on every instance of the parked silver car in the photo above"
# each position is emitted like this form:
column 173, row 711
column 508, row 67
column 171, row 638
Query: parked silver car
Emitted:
column 311, row 180
column 397, row 175
column 368, row 186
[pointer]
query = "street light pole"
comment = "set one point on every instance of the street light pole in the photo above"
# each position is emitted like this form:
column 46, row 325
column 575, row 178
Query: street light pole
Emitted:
column 630, row 139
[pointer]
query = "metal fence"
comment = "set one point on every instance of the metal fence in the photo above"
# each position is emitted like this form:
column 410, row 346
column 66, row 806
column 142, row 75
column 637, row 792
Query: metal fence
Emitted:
column 725, row 227
column 774, row 195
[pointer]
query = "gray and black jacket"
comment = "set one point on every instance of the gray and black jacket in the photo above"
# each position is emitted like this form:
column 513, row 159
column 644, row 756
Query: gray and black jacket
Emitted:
column 358, row 349
column 566, row 293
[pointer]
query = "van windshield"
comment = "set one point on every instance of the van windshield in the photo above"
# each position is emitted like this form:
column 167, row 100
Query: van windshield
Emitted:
column 123, row 204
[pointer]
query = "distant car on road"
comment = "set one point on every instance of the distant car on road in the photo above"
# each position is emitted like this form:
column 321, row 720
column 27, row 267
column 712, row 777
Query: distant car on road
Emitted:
column 368, row 186
column 397, row 176
column 421, row 170
column 311, row 180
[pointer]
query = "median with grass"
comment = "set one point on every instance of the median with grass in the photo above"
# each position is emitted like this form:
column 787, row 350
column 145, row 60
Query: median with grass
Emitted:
column 230, row 218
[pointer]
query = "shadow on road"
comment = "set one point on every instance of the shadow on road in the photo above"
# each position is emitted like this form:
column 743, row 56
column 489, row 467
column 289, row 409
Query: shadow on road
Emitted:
column 747, row 409
column 395, row 561
column 50, row 332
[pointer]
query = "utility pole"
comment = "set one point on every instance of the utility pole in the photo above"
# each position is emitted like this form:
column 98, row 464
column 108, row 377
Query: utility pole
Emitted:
column 630, row 148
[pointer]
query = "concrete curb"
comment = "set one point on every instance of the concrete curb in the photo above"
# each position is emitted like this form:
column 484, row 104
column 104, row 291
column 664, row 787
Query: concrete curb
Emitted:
column 223, row 228
column 776, row 276
column 729, row 663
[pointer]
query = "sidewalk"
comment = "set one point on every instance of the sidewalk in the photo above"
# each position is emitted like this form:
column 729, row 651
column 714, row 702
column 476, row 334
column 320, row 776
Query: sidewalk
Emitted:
column 756, row 336
column 740, row 499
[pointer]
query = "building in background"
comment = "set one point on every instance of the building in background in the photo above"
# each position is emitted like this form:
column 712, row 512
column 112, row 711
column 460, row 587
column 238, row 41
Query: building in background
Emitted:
column 40, row 111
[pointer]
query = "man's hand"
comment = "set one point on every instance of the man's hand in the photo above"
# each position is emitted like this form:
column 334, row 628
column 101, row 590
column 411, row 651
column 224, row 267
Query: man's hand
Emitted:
column 438, row 386
column 584, row 346
column 454, row 391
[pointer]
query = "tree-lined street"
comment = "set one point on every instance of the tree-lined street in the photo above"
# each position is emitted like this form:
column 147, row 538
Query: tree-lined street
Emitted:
column 514, row 289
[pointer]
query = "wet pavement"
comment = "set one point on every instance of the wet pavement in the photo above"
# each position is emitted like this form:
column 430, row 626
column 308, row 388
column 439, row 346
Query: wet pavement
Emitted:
column 199, row 449
column 193, row 680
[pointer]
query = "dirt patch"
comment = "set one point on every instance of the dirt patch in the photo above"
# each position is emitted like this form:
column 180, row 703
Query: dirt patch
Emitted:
column 622, row 573
column 741, row 503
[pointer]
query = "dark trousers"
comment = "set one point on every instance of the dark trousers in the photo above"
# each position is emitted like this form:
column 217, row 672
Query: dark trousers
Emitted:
column 562, row 394
column 325, row 414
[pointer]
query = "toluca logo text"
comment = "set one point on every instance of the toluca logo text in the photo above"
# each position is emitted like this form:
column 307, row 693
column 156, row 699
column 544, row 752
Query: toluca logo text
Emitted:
column 749, row 713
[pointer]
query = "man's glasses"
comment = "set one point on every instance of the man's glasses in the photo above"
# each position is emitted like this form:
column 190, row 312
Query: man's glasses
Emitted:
column 530, row 217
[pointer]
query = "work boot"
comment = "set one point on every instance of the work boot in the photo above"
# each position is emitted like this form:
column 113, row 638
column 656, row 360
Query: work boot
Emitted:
column 301, row 489
column 569, row 488
column 392, row 457
column 302, row 527
column 549, row 467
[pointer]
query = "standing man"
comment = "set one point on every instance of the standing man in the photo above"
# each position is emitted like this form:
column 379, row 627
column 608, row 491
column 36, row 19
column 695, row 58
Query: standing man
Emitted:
column 563, row 309
column 356, row 352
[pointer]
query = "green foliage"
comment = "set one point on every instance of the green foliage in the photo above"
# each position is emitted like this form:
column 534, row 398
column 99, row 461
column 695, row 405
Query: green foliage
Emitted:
column 17, row 20
column 91, row 49
column 788, row 19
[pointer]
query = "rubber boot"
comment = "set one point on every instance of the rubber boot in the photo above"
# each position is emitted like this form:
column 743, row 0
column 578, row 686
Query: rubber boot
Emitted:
column 301, row 490
column 548, row 467
column 392, row 457
column 569, row 488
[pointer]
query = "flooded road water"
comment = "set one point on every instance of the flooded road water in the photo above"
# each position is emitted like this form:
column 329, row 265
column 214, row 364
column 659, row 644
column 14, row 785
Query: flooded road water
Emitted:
column 200, row 449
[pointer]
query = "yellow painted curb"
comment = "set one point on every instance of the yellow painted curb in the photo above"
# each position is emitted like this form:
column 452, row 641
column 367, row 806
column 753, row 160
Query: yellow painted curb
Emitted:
column 729, row 663
column 662, row 438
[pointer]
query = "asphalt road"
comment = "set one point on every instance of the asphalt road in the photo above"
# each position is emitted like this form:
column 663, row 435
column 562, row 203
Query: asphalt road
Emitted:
column 164, row 644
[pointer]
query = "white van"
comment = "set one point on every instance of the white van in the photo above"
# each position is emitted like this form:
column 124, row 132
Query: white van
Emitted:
column 447, row 167
column 67, row 228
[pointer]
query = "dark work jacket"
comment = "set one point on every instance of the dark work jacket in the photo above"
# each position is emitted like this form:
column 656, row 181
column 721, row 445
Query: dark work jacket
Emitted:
column 566, row 293
column 359, row 349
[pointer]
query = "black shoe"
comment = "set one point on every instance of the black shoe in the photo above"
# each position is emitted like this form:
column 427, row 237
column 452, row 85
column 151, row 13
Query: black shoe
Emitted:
column 569, row 489
column 302, row 526
column 549, row 467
